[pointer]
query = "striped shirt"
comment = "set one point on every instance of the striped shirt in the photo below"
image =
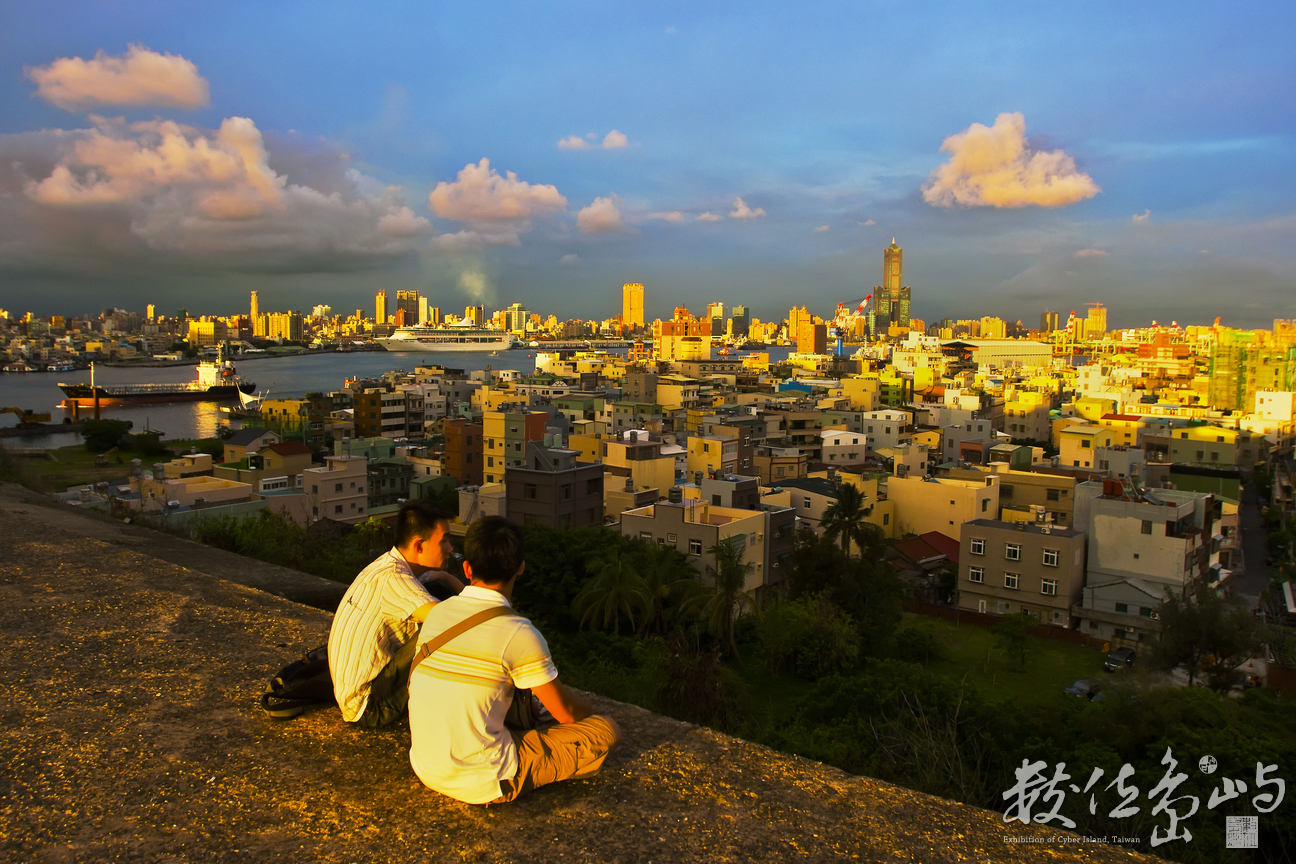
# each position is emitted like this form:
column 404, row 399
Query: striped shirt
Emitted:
column 460, row 694
column 372, row 623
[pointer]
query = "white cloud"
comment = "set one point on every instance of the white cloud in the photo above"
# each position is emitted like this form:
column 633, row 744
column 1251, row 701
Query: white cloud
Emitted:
column 195, row 191
column 671, row 216
column 994, row 167
column 869, row 222
column 573, row 142
column 472, row 241
column 602, row 216
column 742, row 211
column 494, row 204
column 821, row 229
column 475, row 284
column 1143, row 217
column 709, row 217
column 1092, row 253
column 614, row 140
column 141, row 77
column 571, row 259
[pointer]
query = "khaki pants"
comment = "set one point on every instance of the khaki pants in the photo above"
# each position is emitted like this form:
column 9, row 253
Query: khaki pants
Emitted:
column 557, row 753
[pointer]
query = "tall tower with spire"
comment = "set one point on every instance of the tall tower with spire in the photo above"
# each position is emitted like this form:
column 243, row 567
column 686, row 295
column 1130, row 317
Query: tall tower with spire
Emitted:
column 891, row 298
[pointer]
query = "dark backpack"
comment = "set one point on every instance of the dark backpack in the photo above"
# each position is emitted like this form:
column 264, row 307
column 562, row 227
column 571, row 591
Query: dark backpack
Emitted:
column 299, row 685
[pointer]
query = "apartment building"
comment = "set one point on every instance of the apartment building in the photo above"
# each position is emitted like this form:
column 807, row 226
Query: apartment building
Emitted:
column 551, row 487
column 843, row 448
column 505, row 436
column 1010, row 567
column 338, row 490
column 941, row 504
column 463, row 458
column 1077, row 443
column 1142, row 545
column 693, row 527
column 1026, row 415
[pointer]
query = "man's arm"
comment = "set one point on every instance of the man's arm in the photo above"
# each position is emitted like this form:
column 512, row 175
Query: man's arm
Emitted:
column 420, row 614
column 447, row 579
column 563, row 704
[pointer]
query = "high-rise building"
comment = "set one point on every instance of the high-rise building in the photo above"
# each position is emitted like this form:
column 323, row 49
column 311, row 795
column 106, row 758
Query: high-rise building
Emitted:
column 408, row 301
column 151, row 311
column 515, row 319
column 632, row 305
column 797, row 316
column 475, row 314
column 1049, row 322
column 380, row 307
column 284, row 325
column 322, row 310
column 741, row 321
column 716, row 312
column 433, row 316
column 256, row 306
column 1095, row 321
column 423, row 310
column 890, row 299
column 812, row 338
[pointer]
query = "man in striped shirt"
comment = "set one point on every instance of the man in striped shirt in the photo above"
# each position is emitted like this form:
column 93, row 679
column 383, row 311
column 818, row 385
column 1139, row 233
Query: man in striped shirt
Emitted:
column 460, row 693
column 371, row 642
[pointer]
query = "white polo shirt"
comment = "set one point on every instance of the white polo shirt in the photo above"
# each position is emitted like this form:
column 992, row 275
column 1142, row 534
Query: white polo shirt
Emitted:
column 372, row 623
column 460, row 694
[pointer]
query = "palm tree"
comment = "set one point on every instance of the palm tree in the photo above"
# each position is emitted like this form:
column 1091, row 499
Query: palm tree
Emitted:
column 727, row 600
column 667, row 576
column 615, row 590
column 845, row 519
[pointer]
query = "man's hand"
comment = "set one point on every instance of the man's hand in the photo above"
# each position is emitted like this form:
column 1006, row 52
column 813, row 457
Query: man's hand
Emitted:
column 447, row 579
column 563, row 704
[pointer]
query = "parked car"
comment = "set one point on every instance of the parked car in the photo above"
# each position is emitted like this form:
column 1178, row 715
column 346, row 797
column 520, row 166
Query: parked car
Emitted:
column 1085, row 688
column 1120, row 660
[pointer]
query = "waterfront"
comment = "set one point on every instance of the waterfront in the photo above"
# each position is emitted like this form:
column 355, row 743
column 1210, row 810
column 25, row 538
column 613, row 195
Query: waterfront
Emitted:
column 279, row 377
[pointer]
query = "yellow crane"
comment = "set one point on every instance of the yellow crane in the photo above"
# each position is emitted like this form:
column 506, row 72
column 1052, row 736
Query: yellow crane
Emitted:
column 25, row 417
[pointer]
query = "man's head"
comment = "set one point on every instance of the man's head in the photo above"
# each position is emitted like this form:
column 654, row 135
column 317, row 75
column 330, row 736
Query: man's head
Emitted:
column 423, row 535
column 493, row 552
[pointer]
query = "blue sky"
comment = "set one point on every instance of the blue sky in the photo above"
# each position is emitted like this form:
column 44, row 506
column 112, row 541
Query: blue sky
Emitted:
column 816, row 116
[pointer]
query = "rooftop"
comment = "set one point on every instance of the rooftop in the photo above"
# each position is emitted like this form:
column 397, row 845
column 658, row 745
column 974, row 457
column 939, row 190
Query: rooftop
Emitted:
column 158, row 751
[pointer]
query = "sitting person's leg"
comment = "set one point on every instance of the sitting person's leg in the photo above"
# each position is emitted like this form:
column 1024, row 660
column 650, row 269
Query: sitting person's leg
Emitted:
column 559, row 753
column 389, row 692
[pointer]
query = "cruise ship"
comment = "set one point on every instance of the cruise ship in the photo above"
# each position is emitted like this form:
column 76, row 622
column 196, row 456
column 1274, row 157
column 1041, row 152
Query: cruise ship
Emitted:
column 446, row 339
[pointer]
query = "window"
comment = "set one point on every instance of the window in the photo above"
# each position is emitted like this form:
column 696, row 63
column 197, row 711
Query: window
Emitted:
column 985, row 504
column 645, row 535
column 490, row 461
column 978, row 546
column 1085, row 443
column 1049, row 587
column 592, row 487
column 1147, row 526
column 518, row 446
column 529, row 491
column 1050, row 557
column 976, row 574
column 695, row 547
column 805, row 502
column 1053, row 494
column 1012, row 551
column 886, row 518
column 1005, row 491
column 1219, row 439
column 337, row 509
column 1011, row 580
column 490, row 443
column 1183, row 434
column 1145, row 611
column 1200, row 455
column 314, row 490
column 672, row 538
column 1122, row 607
column 981, row 606
column 337, row 487
column 870, row 430
column 566, row 491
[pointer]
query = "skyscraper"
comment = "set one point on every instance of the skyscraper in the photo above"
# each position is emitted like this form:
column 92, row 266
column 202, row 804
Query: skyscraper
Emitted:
column 256, row 306
column 741, row 321
column 1095, row 320
column 475, row 314
column 1049, row 322
column 408, row 301
column 423, row 310
column 515, row 319
column 890, row 299
column 151, row 311
column 632, row 305
column 380, row 307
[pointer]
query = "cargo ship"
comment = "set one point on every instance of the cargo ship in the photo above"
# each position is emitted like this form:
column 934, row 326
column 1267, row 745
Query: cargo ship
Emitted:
column 217, row 380
column 454, row 338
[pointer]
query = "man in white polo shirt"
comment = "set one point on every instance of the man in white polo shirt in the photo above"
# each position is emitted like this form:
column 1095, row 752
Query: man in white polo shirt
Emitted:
column 460, row 693
column 371, row 642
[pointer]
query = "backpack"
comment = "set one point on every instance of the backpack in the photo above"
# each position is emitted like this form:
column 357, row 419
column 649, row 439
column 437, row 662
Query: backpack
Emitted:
column 299, row 685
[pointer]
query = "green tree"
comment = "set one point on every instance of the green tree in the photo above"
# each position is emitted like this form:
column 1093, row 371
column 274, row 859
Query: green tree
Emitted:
column 668, row 582
column 1011, row 635
column 727, row 599
column 844, row 521
column 1203, row 633
column 103, row 435
column 616, row 590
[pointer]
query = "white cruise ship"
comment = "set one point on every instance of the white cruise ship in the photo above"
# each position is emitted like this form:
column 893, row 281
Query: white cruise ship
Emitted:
column 446, row 339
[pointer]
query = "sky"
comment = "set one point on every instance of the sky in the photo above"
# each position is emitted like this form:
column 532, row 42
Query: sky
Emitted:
column 1026, row 156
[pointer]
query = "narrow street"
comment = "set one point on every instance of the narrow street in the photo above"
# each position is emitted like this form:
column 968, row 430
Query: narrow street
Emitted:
column 1248, row 586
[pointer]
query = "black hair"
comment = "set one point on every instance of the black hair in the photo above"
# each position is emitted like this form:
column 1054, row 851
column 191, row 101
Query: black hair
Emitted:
column 493, row 547
column 417, row 520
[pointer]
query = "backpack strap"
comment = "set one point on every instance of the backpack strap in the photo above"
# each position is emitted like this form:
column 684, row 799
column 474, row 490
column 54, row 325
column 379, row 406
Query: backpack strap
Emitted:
column 434, row 644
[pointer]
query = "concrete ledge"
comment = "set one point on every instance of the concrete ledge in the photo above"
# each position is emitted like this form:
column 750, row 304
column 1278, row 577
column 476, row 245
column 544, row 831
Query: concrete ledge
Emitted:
column 130, row 731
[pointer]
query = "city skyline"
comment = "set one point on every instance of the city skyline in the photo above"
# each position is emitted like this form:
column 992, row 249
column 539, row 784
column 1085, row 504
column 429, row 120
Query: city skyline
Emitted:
column 1032, row 161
